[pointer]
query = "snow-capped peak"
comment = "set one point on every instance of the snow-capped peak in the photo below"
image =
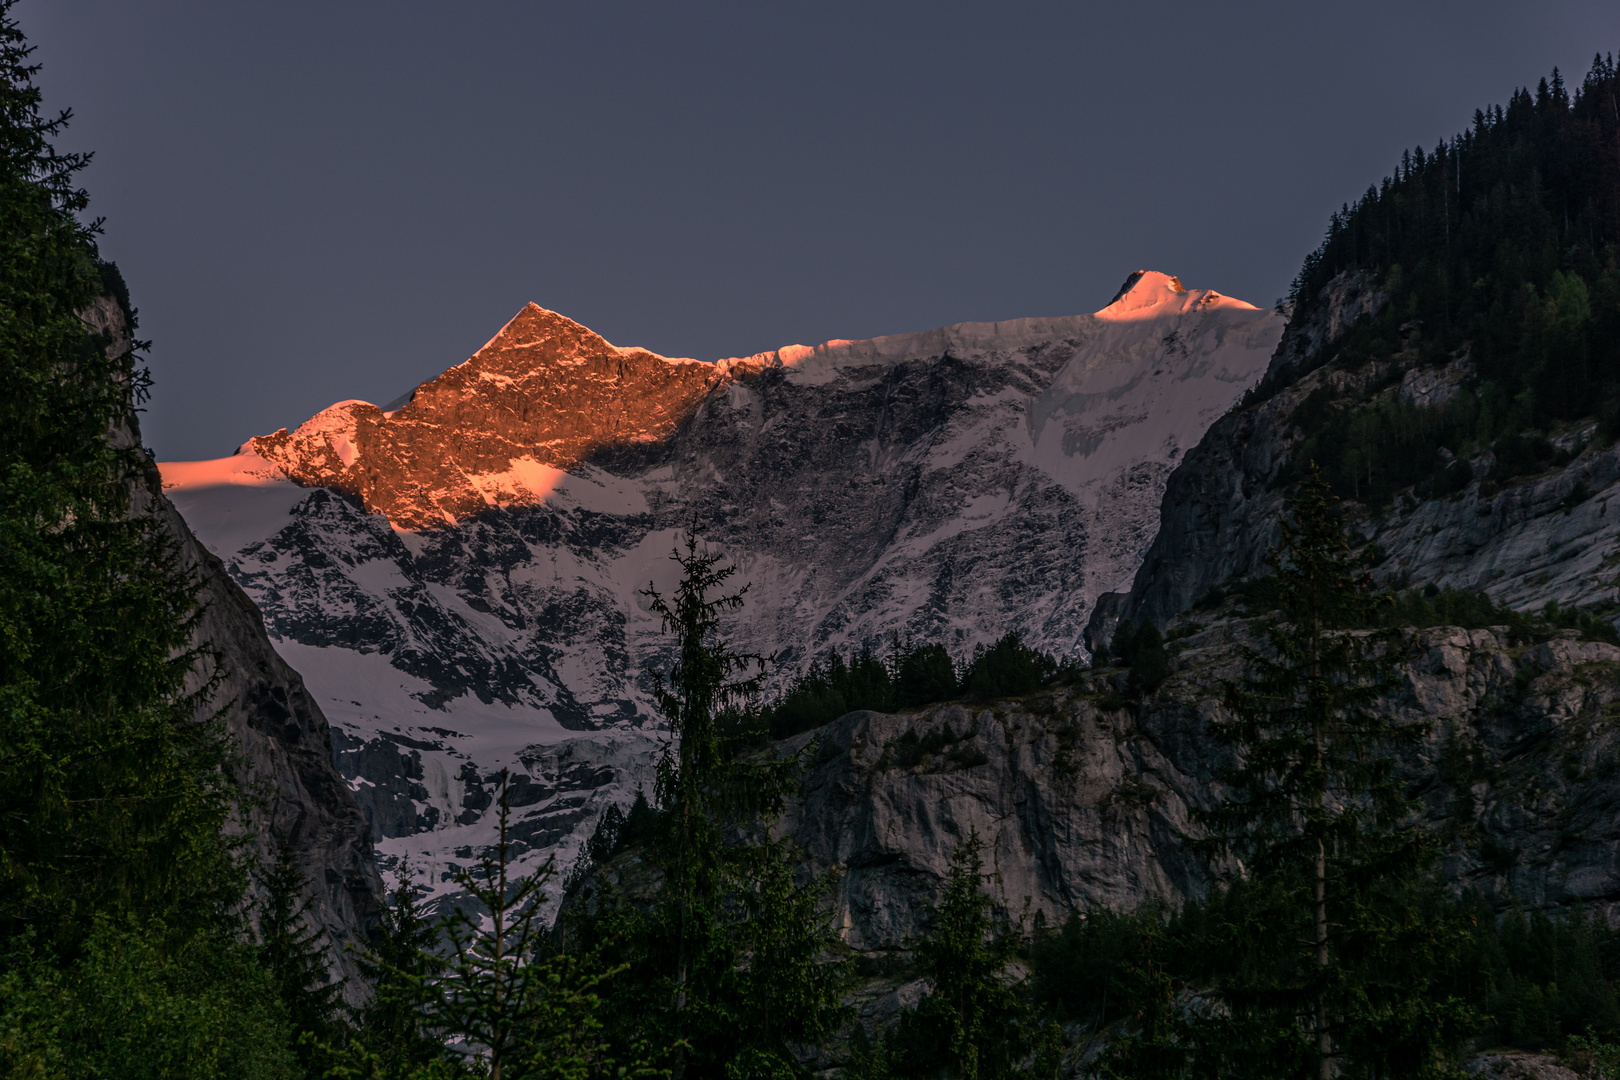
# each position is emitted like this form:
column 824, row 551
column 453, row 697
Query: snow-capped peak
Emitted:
column 1148, row 294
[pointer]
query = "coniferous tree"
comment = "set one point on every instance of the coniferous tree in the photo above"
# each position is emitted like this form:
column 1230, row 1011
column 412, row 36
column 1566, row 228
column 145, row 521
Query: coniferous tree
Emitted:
column 1141, row 648
column 503, row 999
column 786, row 988
column 1498, row 251
column 1322, row 824
column 1008, row 668
column 923, row 674
column 294, row 950
column 696, row 776
column 111, row 793
column 393, row 1037
column 727, row 960
column 972, row 1020
column 122, row 948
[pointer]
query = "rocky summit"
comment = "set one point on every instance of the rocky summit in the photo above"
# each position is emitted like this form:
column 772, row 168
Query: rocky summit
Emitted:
column 458, row 576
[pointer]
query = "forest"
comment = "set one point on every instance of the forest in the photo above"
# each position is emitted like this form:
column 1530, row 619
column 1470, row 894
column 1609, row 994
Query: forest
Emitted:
column 139, row 940
column 1499, row 253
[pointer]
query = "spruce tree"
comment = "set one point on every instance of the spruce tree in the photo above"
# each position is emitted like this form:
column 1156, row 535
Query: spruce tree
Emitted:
column 112, row 794
column 122, row 946
column 972, row 1021
column 393, row 1037
column 1319, row 818
column 728, row 957
column 294, row 950
column 517, row 1009
column 699, row 785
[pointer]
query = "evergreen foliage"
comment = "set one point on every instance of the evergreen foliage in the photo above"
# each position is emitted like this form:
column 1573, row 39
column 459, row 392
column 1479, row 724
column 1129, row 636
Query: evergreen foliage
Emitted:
column 393, row 1038
column 1141, row 648
column 517, row 1009
column 143, row 1003
column 1503, row 244
column 728, row 963
column 1534, row 981
column 973, row 1023
column 293, row 951
column 829, row 690
column 1538, row 978
column 1429, row 606
column 111, row 794
column 1322, row 825
column 914, row 675
column 1009, row 668
column 924, row 674
column 122, row 951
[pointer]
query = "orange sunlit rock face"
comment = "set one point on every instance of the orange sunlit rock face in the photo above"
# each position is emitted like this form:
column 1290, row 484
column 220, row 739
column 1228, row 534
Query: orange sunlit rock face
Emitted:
column 542, row 396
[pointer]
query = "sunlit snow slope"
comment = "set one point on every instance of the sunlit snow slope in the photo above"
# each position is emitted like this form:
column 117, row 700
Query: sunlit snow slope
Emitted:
column 457, row 575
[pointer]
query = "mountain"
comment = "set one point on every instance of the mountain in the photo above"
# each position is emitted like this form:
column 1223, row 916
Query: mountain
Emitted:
column 458, row 576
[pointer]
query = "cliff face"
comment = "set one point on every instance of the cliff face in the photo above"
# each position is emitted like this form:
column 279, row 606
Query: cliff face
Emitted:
column 293, row 789
column 289, row 785
column 1085, row 800
column 1526, row 541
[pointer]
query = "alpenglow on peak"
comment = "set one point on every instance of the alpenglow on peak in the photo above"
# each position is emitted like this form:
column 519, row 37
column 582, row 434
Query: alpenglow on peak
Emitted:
column 1150, row 294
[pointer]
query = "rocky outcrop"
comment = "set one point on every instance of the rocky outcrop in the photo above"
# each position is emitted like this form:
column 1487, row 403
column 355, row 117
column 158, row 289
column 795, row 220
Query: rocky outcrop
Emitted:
column 557, row 792
column 1517, row 1065
column 1085, row 798
column 292, row 789
column 1078, row 805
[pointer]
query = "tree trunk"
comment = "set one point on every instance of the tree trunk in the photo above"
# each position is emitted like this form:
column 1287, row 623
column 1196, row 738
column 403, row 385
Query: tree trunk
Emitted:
column 1324, row 1039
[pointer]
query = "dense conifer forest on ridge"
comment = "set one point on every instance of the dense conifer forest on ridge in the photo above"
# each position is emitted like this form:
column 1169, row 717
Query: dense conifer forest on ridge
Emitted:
column 689, row 945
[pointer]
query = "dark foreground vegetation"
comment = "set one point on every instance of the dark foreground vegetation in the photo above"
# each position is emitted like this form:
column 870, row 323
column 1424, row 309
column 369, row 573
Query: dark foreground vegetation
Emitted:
column 123, row 947
column 690, row 946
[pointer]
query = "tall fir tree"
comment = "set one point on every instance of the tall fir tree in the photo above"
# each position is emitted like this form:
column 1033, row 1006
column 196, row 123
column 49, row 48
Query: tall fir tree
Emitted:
column 393, row 1035
column 728, row 953
column 972, row 1023
column 1322, row 824
column 111, row 792
column 518, row 1009
column 294, row 951
column 122, row 949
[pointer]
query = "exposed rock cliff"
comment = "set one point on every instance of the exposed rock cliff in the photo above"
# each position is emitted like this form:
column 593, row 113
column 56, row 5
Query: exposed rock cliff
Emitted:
column 1085, row 800
column 293, row 788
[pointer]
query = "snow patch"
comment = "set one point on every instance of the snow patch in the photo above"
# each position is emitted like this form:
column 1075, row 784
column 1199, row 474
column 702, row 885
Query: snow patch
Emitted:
column 524, row 479
column 242, row 469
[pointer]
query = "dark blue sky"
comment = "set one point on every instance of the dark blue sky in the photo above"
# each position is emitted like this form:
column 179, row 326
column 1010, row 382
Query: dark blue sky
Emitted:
column 318, row 201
